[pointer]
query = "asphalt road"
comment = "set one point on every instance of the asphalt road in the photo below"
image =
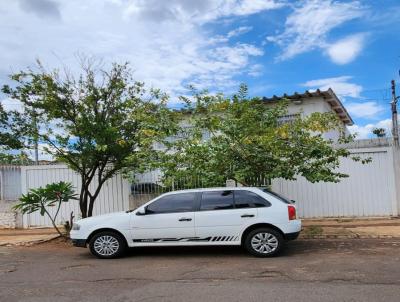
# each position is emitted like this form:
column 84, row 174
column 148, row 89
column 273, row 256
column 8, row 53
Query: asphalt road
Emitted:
column 308, row 270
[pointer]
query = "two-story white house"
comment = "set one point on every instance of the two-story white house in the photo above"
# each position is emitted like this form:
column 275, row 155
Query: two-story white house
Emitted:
column 302, row 104
column 308, row 102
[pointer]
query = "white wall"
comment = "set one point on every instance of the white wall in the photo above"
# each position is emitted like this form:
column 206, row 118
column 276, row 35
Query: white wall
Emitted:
column 10, row 182
column 369, row 190
column 10, row 191
column 113, row 197
column 307, row 106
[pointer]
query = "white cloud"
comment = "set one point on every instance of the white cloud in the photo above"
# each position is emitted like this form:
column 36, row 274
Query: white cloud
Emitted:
column 239, row 31
column 365, row 109
column 248, row 7
column 165, row 41
column 346, row 50
column 340, row 85
column 366, row 130
column 306, row 28
column 255, row 70
column 195, row 10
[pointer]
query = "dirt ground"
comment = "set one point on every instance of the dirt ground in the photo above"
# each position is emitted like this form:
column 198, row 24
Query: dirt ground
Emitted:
column 26, row 236
column 308, row 270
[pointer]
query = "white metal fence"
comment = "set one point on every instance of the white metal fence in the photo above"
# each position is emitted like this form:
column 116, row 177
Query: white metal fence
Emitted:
column 370, row 189
column 10, row 182
column 113, row 197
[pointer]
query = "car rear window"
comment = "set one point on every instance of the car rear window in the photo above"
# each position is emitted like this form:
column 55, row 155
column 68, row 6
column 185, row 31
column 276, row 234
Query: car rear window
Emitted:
column 280, row 197
column 247, row 199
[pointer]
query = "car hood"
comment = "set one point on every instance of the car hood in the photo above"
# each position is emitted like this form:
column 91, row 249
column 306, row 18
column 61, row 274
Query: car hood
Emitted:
column 101, row 218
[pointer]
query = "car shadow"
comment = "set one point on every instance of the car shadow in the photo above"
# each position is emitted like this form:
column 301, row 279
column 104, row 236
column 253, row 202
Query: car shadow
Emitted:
column 290, row 249
column 186, row 251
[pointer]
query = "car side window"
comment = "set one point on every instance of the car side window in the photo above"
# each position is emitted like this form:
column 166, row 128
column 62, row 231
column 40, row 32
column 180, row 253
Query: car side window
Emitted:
column 216, row 200
column 247, row 199
column 174, row 203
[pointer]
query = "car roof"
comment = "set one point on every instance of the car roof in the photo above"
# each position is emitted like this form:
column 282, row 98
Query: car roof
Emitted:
column 212, row 189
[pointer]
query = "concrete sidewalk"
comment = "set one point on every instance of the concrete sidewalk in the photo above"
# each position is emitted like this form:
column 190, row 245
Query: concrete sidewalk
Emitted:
column 9, row 237
column 342, row 228
column 351, row 228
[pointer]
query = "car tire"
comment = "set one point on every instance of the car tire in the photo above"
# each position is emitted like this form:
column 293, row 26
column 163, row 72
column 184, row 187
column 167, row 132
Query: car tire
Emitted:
column 264, row 242
column 107, row 245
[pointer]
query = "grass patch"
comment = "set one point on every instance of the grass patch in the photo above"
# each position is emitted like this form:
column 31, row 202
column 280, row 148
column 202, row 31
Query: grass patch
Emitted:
column 313, row 230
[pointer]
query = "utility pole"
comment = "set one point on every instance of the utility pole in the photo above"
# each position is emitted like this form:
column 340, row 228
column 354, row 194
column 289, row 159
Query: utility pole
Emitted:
column 35, row 140
column 395, row 126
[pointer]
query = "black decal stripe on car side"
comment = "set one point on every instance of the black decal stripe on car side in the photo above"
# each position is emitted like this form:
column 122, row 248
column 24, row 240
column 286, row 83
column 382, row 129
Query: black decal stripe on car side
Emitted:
column 160, row 240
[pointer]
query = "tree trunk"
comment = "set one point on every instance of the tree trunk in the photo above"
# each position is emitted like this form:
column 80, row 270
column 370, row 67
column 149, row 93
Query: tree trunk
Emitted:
column 86, row 196
column 91, row 204
column 93, row 197
column 83, row 199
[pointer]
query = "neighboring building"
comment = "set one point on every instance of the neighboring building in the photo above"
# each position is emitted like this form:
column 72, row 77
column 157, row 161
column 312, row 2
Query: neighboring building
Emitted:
column 318, row 101
column 302, row 104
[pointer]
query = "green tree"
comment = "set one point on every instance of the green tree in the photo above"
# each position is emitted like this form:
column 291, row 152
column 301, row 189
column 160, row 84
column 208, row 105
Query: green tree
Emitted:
column 379, row 132
column 249, row 140
column 10, row 133
column 15, row 159
column 40, row 199
column 99, row 123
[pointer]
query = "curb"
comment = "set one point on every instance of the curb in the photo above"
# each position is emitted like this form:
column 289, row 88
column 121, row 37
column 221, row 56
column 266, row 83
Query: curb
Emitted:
column 30, row 243
column 352, row 236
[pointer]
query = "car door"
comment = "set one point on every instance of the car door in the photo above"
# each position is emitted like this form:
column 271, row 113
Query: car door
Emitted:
column 169, row 219
column 219, row 220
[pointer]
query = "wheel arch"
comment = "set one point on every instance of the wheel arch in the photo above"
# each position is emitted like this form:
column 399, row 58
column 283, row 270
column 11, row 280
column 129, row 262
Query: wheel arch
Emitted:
column 105, row 230
column 258, row 226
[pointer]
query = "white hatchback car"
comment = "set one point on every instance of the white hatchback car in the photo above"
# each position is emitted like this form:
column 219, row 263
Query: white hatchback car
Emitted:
column 255, row 218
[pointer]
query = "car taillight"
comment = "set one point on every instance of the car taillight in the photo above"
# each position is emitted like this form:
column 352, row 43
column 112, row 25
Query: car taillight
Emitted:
column 291, row 212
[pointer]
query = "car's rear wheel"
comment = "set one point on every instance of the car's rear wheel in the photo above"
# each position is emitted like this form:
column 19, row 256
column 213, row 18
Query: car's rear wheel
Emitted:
column 264, row 242
column 107, row 245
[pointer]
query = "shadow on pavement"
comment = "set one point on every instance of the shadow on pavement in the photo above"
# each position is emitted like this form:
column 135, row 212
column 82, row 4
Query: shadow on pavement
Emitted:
column 291, row 249
column 201, row 251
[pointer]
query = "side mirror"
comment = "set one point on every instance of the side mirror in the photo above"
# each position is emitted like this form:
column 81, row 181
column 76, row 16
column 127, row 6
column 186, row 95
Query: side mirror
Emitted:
column 141, row 211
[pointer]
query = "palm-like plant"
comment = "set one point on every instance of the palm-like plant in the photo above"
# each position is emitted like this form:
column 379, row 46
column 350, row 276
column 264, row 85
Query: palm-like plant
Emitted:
column 41, row 198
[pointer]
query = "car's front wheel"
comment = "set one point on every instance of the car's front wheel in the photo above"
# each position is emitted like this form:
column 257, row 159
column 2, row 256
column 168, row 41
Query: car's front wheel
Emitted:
column 264, row 242
column 107, row 245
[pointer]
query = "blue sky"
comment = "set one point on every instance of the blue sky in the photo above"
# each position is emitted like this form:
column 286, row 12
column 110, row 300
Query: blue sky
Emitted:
column 275, row 47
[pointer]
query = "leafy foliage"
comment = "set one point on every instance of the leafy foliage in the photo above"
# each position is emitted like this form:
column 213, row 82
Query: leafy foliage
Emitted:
column 40, row 199
column 15, row 159
column 249, row 140
column 379, row 132
column 99, row 123
column 10, row 132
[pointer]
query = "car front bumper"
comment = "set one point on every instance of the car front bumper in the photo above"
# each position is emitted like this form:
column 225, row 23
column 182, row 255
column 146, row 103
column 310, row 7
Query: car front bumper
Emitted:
column 79, row 242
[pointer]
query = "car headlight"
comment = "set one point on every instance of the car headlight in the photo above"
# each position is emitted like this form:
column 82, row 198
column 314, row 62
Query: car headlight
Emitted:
column 76, row 227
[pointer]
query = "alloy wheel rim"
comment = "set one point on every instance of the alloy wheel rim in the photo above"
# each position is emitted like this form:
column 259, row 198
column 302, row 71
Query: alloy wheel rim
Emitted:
column 264, row 243
column 106, row 245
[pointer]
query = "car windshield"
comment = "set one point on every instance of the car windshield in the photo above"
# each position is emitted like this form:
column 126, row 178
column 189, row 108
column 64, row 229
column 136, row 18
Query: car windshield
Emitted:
column 280, row 197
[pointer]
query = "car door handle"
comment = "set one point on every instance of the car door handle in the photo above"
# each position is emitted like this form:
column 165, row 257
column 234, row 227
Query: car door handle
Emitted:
column 247, row 215
column 185, row 219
